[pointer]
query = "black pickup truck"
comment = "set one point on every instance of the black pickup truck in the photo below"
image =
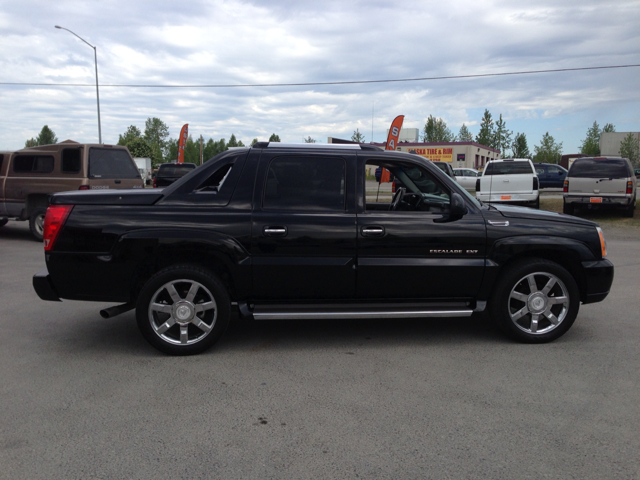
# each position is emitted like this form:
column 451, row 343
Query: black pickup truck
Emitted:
column 281, row 231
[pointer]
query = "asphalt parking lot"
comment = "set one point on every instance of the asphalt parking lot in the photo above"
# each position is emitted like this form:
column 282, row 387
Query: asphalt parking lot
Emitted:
column 85, row 397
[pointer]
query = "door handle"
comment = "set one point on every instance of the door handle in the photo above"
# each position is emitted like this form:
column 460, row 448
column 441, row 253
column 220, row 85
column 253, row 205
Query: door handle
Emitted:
column 274, row 231
column 118, row 181
column 505, row 179
column 372, row 231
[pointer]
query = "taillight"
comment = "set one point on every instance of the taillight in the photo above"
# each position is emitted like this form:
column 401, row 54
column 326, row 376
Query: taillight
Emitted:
column 83, row 187
column 536, row 185
column 629, row 187
column 565, row 186
column 478, row 185
column 155, row 185
column 393, row 187
column 53, row 221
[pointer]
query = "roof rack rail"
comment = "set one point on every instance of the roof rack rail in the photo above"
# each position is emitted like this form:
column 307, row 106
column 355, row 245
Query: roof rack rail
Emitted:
column 340, row 146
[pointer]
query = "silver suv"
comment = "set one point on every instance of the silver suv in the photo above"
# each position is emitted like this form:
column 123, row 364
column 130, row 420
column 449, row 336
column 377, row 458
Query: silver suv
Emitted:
column 600, row 182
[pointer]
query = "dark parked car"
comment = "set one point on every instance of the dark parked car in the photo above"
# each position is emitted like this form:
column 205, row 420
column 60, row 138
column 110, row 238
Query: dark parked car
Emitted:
column 170, row 172
column 550, row 175
column 280, row 231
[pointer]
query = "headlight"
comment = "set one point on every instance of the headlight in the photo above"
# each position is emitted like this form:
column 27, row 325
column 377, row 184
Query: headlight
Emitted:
column 603, row 243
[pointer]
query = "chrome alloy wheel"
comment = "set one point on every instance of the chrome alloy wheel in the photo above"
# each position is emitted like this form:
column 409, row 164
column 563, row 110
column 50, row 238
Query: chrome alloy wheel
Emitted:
column 538, row 303
column 39, row 224
column 182, row 312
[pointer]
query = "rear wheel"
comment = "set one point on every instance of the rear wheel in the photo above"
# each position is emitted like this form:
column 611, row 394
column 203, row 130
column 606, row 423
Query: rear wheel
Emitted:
column 183, row 310
column 568, row 208
column 3, row 221
column 36, row 223
column 536, row 301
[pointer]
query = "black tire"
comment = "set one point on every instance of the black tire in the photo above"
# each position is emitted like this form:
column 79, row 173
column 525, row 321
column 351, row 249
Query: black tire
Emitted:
column 568, row 208
column 36, row 222
column 536, row 204
column 533, row 314
column 630, row 210
column 3, row 221
column 181, row 323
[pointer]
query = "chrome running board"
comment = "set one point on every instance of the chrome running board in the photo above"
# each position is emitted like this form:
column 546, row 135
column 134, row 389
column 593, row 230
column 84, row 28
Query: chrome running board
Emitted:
column 324, row 312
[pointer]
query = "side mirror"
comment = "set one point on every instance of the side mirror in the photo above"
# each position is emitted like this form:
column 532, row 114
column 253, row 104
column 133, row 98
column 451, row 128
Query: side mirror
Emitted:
column 457, row 209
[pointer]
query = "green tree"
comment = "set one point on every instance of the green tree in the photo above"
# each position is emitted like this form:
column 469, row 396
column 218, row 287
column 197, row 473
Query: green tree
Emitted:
column 45, row 137
column 486, row 135
column 131, row 133
column 435, row 130
column 464, row 135
column 274, row 138
column 630, row 148
column 608, row 127
column 232, row 141
column 254, row 141
column 519, row 147
column 309, row 140
column 357, row 136
column 591, row 145
column 548, row 151
column 139, row 147
column 156, row 133
column 501, row 136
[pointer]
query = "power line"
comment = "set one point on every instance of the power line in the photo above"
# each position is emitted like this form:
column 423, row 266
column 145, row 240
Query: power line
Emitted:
column 308, row 84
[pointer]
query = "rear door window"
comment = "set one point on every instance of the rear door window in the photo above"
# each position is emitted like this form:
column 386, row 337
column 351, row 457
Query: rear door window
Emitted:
column 305, row 183
column 33, row 164
column 111, row 163
column 604, row 168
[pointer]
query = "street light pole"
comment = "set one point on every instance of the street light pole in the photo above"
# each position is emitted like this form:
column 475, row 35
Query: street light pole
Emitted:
column 95, row 55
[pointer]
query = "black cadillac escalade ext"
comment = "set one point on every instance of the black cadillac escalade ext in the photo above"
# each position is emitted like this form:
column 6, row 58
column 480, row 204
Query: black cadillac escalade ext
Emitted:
column 290, row 232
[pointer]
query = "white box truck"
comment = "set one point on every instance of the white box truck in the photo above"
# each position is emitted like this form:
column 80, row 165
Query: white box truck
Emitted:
column 144, row 167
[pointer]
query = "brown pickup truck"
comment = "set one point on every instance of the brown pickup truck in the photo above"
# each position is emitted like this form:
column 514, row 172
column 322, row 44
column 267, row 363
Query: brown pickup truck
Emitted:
column 30, row 175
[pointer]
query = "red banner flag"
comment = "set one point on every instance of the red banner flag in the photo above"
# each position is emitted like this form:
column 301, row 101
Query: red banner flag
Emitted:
column 392, row 142
column 182, row 141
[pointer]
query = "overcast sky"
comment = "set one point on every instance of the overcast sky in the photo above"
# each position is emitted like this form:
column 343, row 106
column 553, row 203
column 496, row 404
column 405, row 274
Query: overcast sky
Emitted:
column 290, row 41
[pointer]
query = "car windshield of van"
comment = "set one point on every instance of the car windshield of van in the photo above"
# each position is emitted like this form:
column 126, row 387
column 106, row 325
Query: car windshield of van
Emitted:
column 601, row 168
column 175, row 169
column 508, row 168
column 111, row 163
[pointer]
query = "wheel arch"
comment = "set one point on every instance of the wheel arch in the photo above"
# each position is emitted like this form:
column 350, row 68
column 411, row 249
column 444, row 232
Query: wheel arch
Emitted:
column 158, row 249
column 566, row 252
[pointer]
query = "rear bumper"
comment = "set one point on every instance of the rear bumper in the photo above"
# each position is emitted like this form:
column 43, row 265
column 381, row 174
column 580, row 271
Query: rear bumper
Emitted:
column 598, row 276
column 44, row 288
column 508, row 197
column 604, row 202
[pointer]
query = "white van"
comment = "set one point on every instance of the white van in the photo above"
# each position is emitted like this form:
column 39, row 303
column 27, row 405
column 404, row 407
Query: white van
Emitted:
column 144, row 167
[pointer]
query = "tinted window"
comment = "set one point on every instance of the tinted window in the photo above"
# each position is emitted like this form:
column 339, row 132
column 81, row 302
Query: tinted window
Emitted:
column 216, row 180
column 305, row 183
column 603, row 168
column 1, row 160
column 175, row 169
column 111, row 163
column 539, row 170
column 71, row 160
column 508, row 168
column 555, row 170
column 33, row 164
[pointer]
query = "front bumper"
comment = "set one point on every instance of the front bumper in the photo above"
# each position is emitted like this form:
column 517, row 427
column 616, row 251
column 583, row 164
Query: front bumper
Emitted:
column 598, row 276
column 44, row 288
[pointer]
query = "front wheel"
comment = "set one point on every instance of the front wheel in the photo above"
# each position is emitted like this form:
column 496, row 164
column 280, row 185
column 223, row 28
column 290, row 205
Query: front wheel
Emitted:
column 183, row 310
column 36, row 223
column 536, row 301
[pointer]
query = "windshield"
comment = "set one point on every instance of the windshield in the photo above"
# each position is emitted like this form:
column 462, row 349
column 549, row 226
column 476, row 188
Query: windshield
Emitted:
column 601, row 168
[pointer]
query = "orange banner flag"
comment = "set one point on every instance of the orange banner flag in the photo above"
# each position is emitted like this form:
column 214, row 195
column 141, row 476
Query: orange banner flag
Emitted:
column 392, row 142
column 182, row 141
